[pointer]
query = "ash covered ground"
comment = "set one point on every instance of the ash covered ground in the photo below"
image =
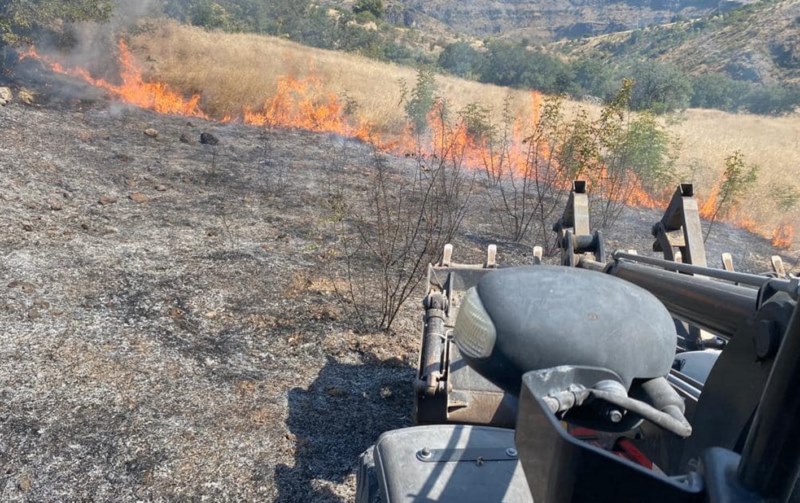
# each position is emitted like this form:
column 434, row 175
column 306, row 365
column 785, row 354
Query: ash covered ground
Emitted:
column 169, row 329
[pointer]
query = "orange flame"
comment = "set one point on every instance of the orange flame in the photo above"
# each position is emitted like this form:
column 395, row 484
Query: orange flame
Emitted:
column 709, row 206
column 783, row 236
column 133, row 89
column 304, row 103
column 294, row 105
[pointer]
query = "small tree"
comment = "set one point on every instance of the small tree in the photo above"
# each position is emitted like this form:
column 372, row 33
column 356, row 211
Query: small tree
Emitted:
column 635, row 159
column 715, row 90
column 660, row 87
column 420, row 100
column 461, row 59
column 211, row 15
column 608, row 173
column 737, row 179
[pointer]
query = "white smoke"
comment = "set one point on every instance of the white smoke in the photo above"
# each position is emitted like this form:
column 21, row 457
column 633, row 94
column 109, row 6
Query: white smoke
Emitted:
column 94, row 45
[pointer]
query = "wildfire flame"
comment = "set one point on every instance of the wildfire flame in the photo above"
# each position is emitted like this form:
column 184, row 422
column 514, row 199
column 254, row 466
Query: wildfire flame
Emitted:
column 304, row 103
column 709, row 210
column 783, row 236
column 709, row 206
column 154, row 96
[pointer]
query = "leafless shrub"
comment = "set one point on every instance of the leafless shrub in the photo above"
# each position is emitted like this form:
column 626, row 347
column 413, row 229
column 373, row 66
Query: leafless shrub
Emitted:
column 390, row 231
column 277, row 179
column 231, row 233
column 528, row 178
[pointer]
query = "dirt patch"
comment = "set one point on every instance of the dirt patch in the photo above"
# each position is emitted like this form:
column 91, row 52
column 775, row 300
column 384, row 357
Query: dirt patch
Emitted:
column 169, row 325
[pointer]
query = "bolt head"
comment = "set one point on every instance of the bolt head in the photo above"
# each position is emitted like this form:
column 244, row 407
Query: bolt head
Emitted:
column 511, row 452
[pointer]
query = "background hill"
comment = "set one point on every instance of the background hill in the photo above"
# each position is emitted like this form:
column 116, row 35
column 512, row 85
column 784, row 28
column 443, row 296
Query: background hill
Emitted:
column 541, row 21
column 756, row 43
column 703, row 54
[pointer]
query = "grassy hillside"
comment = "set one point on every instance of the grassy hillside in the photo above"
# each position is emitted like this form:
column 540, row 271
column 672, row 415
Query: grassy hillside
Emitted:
column 233, row 71
column 506, row 43
column 242, row 70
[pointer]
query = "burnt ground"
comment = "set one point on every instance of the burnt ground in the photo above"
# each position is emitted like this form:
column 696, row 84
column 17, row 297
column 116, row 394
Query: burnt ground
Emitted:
column 168, row 323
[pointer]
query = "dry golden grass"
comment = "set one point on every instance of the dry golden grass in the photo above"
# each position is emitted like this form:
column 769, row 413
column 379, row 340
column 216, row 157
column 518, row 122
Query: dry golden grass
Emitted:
column 236, row 70
column 233, row 71
column 773, row 143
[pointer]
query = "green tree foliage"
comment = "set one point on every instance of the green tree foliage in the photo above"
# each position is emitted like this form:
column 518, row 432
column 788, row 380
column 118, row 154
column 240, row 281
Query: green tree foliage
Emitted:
column 786, row 54
column 212, row 15
column 715, row 90
column 772, row 100
column 633, row 151
column 22, row 19
column 277, row 17
column 659, row 87
column 374, row 7
column 594, row 77
column 616, row 153
column 649, row 152
column 515, row 65
column 302, row 21
column 461, row 59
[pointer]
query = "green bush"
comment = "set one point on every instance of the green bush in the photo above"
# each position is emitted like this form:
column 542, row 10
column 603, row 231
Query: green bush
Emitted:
column 374, row 7
column 594, row 77
column 420, row 101
column 737, row 179
column 772, row 100
column 515, row 65
column 659, row 87
column 786, row 55
column 461, row 59
column 714, row 90
column 649, row 151
column 212, row 15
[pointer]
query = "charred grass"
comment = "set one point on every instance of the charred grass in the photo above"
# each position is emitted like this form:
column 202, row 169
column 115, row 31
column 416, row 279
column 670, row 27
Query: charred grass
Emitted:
column 190, row 344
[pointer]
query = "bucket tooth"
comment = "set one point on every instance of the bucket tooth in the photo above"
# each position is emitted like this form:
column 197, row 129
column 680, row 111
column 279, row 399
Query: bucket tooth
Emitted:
column 491, row 256
column 777, row 266
column 727, row 261
column 447, row 256
column 538, row 251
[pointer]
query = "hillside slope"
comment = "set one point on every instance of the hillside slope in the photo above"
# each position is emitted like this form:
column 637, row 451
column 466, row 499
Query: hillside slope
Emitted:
column 546, row 20
column 243, row 70
column 759, row 42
